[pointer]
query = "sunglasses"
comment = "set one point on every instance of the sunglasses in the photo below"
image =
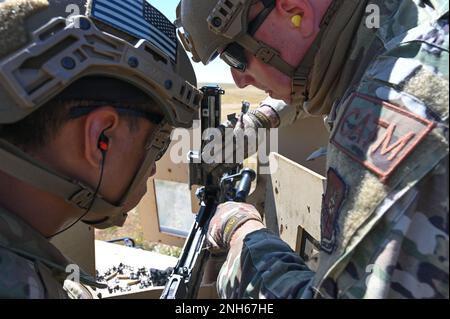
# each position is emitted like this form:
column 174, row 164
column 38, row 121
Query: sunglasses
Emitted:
column 79, row 111
column 234, row 53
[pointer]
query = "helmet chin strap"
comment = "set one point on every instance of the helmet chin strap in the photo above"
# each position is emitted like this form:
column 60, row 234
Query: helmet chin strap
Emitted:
column 157, row 142
column 299, row 75
column 273, row 58
column 266, row 54
column 119, row 218
column 102, row 168
column 299, row 88
column 300, row 94
column 20, row 165
column 25, row 168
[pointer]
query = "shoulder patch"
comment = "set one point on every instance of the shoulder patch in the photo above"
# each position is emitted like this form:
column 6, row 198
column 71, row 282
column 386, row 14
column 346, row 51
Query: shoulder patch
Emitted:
column 378, row 134
column 331, row 206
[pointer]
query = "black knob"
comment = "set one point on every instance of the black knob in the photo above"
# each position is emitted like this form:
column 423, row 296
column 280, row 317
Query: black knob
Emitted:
column 248, row 176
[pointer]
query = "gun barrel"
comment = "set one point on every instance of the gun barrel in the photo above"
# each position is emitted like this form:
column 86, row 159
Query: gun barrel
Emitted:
column 218, row 186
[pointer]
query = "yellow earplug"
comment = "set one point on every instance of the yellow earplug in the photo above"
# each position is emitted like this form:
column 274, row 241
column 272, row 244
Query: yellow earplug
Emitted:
column 297, row 21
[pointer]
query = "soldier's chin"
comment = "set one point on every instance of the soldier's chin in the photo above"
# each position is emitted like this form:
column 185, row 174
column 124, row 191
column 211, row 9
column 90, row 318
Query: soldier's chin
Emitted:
column 277, row 96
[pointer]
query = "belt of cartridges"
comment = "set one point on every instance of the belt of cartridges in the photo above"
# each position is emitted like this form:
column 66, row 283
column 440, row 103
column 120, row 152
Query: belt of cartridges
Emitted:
column 123, row 277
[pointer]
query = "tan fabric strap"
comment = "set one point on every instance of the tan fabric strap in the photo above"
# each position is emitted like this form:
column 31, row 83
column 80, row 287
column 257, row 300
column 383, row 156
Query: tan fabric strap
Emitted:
column 266, row 54
column 331, row 71
column 23, row 167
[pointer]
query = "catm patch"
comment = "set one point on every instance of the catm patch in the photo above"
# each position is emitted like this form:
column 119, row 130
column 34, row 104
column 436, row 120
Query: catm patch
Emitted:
column 331, row 206
column 377, row 134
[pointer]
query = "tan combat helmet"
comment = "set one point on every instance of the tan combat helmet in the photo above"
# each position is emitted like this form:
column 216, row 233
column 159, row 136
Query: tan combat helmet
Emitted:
column 214, row 27
column 211, row 25
column 47, row 45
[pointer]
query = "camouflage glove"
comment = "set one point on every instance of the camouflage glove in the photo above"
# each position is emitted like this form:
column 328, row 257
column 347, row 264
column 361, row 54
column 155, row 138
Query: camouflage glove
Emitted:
column 245, row 131
column 228, row 218
column 263, row 117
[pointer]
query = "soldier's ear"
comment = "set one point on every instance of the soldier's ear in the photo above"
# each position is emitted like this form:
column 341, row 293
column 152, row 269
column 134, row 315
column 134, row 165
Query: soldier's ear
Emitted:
column 290, row 10
column 99, row 126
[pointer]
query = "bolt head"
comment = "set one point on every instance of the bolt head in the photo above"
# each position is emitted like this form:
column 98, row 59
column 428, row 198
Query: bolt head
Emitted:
column 168, row 84
column 85, row 24
column 217, row 22
column 133, row 62
column 68, row 63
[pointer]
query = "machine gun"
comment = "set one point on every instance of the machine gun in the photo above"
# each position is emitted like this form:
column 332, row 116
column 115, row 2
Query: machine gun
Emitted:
column 220, row 182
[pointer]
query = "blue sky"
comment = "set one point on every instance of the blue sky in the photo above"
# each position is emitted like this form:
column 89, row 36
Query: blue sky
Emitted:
column 215, row 72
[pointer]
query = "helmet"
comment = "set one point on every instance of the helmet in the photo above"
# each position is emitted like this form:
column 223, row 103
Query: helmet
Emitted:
column 54, row 50
column 47, row 45
column 213, row 27
column 210, row 26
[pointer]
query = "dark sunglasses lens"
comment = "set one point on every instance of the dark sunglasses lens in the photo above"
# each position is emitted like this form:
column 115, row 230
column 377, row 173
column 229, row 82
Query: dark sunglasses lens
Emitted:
column 234, row 56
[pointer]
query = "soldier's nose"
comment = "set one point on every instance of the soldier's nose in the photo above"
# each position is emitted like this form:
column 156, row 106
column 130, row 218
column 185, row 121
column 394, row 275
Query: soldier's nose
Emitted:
column 241, row 79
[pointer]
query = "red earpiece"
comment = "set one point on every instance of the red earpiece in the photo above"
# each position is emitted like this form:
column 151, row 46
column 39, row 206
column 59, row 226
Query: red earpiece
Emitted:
column 103, row 142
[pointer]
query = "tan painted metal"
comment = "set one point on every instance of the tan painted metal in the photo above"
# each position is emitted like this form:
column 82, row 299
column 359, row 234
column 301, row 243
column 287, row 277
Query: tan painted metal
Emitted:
column 293, row 199
column 302, row 138
column 290, row 198
column 148, row 209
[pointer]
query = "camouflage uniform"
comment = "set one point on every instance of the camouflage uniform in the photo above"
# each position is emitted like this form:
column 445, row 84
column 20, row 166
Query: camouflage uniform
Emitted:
column 32, row 267
column 384, row 227
column 76, row 55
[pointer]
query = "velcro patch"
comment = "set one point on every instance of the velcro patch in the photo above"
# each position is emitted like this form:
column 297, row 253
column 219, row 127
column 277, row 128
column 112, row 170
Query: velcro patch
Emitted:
column 377, row 134
column 331, row 206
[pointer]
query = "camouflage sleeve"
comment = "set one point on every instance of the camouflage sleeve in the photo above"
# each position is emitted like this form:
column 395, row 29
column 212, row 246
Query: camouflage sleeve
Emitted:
column 409, row 247
column 402, row 249
column 265, row 267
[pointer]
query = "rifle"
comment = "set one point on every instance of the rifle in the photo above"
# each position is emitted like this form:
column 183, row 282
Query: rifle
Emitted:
column 220, row 183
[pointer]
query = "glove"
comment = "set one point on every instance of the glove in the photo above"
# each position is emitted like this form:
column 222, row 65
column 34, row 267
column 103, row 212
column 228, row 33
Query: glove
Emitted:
column 246, row 138
column 228, row 218
column 263, row 117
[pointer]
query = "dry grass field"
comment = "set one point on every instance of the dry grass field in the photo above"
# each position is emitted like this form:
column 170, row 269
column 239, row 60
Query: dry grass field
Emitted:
column 232, row 100
column 234, row 95
column 231, row 103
